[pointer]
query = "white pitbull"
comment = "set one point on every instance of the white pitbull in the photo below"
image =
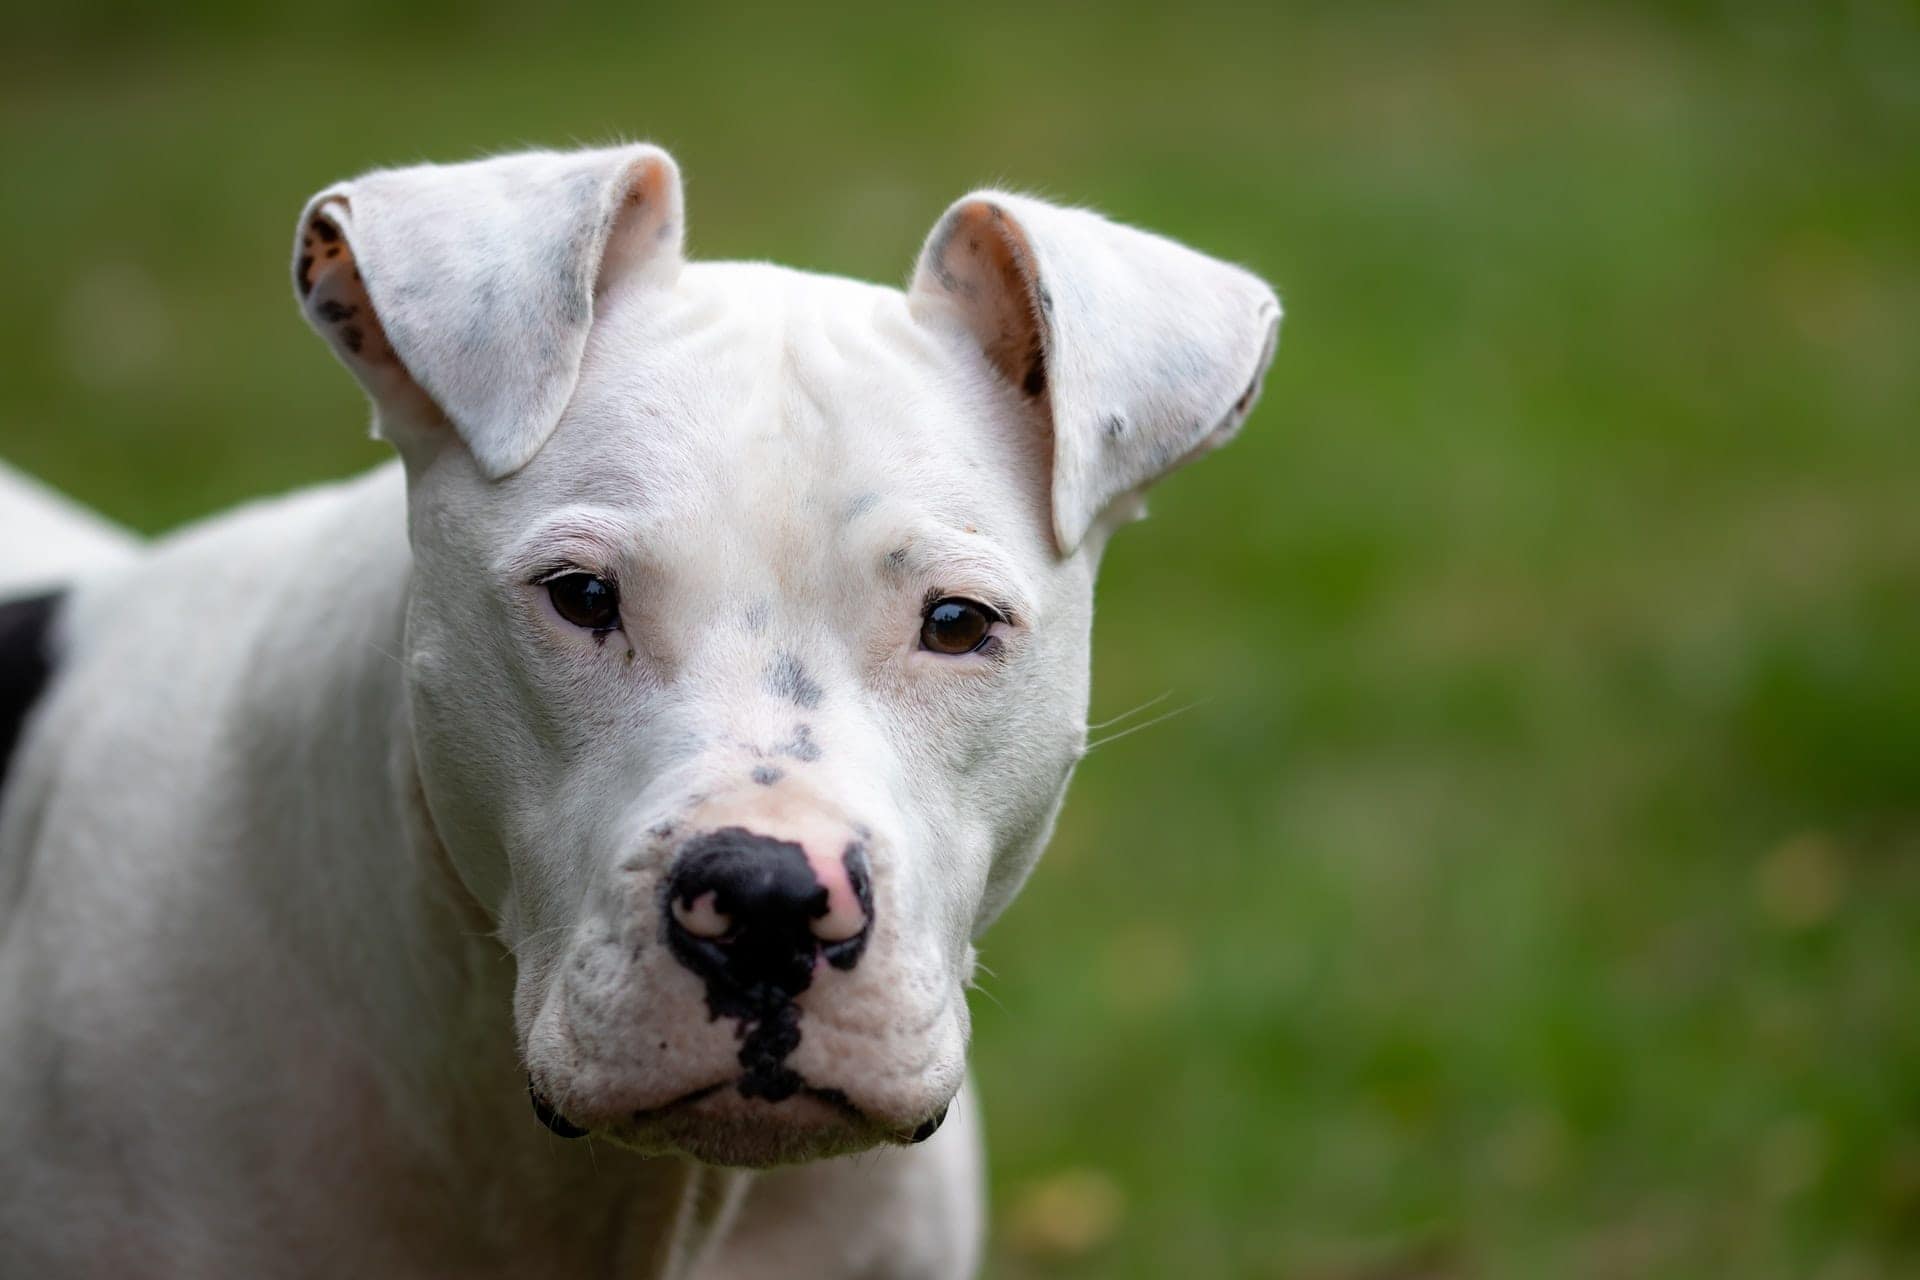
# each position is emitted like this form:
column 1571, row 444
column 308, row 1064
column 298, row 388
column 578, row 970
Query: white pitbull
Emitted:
column 652, row 741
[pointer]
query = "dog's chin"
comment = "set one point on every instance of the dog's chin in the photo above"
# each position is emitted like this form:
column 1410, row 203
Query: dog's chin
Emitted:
column 725, row 1127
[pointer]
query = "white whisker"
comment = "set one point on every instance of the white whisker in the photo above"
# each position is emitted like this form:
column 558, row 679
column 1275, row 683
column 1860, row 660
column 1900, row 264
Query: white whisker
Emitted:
column 975, row 986
column 1128, row 715
column 390, row 657
column 1145, row 724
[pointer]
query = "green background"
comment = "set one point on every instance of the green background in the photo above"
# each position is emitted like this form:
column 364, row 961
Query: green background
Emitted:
column 1532, row 890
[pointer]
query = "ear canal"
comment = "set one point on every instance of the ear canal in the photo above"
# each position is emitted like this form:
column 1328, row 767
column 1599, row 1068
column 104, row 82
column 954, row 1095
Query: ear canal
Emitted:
column 461, row 295
column 335, row 301
column 986, row 261
column 1138, row 353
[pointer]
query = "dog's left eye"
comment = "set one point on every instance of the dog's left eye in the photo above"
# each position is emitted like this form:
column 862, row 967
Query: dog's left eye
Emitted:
column 585, row 600
column 956, row 626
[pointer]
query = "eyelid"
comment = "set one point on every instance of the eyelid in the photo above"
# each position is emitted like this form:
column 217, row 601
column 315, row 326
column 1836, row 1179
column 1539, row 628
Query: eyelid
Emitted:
column 555, row 572
column 574, row 538
column 998, row 611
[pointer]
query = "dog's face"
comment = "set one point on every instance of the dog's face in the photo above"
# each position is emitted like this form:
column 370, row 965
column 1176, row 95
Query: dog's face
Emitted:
column 747, row 649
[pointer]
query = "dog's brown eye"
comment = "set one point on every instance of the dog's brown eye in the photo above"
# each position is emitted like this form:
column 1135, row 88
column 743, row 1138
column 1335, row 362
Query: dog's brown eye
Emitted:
column 585, row 601
column 956, row 626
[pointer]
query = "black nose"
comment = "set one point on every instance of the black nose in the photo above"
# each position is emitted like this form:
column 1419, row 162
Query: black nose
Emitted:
column 740, row 913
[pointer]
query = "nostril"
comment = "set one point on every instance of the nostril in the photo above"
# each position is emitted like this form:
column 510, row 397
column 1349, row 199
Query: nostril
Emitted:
column 750, row 913
column 838, row 926
column 849, row 900
column 702, row 917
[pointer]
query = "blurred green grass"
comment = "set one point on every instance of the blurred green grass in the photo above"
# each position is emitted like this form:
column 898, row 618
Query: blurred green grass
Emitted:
column 1533, row 890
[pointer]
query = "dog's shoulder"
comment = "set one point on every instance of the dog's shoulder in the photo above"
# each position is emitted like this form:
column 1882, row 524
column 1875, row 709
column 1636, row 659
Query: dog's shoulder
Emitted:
column 26, row 663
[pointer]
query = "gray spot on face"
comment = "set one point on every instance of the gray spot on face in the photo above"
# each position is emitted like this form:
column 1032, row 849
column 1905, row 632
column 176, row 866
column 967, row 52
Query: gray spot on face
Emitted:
column 801, row 746
column 896, row 559
column 766, row 775
column 1114, row 425
column 787, row 678
column 759, row 613
column 861, row 505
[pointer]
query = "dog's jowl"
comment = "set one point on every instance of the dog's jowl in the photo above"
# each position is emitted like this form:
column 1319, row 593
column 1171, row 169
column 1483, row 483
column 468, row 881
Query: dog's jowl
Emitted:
column 651, row 740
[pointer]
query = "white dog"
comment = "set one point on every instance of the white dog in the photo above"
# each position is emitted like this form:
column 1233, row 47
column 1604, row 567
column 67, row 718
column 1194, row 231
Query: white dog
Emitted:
column 652, row 743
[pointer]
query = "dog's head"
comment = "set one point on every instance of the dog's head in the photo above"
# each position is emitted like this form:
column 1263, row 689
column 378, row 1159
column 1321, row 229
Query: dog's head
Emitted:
column 747, row 647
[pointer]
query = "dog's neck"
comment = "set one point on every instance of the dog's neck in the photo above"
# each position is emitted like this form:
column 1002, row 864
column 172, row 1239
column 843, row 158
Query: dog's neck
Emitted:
column 388, row 968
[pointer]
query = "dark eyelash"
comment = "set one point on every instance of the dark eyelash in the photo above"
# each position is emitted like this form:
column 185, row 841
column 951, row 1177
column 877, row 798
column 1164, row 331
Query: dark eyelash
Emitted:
column 1000, row 610
column 566, row 568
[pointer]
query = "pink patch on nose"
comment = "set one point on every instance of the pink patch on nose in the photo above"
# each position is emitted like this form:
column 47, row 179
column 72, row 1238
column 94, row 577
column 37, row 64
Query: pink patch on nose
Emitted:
column 844, row 917
column 702, row 918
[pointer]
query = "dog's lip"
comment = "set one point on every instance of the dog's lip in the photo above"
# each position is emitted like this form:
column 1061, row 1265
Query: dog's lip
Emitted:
column 837, row 1099
column 567, row 1127
column 687, row 1099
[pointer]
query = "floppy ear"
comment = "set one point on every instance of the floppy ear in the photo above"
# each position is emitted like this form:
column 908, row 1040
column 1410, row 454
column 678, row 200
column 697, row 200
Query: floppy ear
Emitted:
column 1138, row 352
column 460, row 295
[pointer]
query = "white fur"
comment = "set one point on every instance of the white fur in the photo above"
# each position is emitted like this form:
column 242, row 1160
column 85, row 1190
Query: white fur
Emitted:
column 45, row 539
column 331, row 830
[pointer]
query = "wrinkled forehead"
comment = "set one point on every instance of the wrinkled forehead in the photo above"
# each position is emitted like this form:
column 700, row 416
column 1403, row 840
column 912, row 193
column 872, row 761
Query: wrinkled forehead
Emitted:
column 754, row 413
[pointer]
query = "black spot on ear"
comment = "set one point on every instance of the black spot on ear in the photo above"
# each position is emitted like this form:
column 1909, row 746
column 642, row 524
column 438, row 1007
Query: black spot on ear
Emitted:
column 333, row 311
column 1036, row 380
column 766, row 775
column 300, row 270
column 325, row 230
column 333, row 253
column 352, row 338
column 1044, row 298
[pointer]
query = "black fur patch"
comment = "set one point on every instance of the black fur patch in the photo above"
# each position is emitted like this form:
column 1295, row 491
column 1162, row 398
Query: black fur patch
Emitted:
column 768, row 891
column 787, row 677
column 26, row 664
column 801, row 747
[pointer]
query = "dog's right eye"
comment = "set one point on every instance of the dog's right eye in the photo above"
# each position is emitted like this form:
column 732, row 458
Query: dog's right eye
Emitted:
column 586, row 601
